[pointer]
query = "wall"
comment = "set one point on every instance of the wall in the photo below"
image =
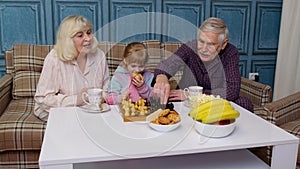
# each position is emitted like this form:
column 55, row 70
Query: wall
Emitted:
column 254, row 24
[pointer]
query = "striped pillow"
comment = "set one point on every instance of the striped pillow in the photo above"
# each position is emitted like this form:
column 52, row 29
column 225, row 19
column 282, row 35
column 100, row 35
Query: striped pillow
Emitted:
column 28, row 63
column 168, row 48
column 25, row 83
column 114, row 54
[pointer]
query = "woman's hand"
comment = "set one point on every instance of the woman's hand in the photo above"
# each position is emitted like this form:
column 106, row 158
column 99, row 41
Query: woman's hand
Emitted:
column 80, row 102
column 161, row 88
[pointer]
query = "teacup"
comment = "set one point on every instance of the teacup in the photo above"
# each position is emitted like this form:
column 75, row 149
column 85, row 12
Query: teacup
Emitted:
column 94, row 96
column 192, row 91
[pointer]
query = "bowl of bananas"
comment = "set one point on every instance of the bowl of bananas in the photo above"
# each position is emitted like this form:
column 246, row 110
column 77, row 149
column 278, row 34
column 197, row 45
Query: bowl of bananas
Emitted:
column 214, row 118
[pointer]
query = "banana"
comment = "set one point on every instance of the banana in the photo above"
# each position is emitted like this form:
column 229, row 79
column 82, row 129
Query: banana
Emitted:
column 203, row 107
column 194, row 111
column 211, row 103
column 226, row 115
column 206, row 105
column 213, row 110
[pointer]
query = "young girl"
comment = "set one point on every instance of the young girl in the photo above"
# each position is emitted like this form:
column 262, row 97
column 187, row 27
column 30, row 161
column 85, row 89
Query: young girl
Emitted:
column 131, row 78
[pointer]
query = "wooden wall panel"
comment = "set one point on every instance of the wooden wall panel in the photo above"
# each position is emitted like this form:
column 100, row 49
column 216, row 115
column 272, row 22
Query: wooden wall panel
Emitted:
column 267, row 28
column 91, row 9
column 182, row 16
column 237, row 17
column 254, row 25
column 266, row 70
column 132, row 20
column 21, row 22
column 243, row 67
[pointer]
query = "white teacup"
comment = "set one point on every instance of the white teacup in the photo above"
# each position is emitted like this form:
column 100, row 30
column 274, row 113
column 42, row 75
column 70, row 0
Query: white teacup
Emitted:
column 94, row 96
column 192, row 91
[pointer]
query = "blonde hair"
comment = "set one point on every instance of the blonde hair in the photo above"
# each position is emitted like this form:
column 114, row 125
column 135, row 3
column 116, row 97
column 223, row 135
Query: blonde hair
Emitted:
column 70, row 26
column 217, row 26
column 135, row 52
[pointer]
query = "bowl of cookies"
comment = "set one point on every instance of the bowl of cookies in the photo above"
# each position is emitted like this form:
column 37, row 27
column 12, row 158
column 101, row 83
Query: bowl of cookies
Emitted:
column 164, row 120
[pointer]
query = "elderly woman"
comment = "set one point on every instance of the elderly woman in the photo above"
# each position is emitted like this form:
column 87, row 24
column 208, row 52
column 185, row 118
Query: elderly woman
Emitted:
column 74, row 65
column 210, row 62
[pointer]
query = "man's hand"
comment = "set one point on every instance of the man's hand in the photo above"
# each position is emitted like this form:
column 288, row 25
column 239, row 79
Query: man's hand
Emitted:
column 177, row 95
column 161, row 88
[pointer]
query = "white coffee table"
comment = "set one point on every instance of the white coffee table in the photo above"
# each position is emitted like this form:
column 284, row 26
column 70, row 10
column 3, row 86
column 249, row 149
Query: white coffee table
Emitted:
column 78, row 139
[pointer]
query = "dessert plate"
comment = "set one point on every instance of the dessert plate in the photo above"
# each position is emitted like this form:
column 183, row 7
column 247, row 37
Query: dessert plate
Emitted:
column 95, row 109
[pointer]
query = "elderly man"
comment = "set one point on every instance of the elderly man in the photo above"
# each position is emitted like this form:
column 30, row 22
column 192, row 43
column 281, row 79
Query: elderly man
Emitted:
column 210, row 62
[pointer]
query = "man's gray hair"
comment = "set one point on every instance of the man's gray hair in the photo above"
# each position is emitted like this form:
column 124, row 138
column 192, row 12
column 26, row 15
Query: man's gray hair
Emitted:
column 217, row 26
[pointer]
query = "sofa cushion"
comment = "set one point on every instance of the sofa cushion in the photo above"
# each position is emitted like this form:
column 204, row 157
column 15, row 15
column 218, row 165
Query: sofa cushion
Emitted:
column 20, row 159
column 293, row 127
column 168, row 48
column 25, row 83
column 30, row 57
column 154, row 52
column 28, row 63
column 114, row 54
column 259, row 94
column 20, row 129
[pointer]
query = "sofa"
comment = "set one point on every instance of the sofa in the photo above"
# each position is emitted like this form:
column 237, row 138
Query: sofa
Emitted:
column 21, row 133
column 285, row 113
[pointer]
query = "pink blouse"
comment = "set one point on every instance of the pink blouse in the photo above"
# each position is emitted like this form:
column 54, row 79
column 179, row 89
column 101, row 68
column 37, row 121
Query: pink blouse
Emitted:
column 60, row 82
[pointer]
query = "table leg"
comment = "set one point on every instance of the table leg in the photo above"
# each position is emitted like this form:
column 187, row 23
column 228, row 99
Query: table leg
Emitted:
column 284, row 156
column 62, row 166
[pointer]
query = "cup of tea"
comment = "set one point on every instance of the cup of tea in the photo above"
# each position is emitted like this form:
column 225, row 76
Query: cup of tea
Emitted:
column 94, row 96
column 192, row 91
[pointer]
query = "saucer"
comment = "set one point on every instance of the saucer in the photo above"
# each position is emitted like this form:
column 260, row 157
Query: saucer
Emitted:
column 95, row 109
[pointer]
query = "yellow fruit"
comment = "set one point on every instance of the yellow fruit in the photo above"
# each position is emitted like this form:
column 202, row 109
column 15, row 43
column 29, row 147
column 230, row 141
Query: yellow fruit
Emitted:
column 194, row 111
column 204, row 107
column 214, row 111
column 212, row 103
column 218, row 109
column 215, row 117
column 136, row 76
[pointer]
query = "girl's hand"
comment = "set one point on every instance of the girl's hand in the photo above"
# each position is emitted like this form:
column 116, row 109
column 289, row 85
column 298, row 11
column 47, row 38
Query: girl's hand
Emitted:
column 138, row 82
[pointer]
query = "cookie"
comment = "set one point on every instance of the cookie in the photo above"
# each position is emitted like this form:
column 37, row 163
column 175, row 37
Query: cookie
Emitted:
column 173, row 112
column 164, row 120
column 174, row 117
column 155, row 121
column 164, row 113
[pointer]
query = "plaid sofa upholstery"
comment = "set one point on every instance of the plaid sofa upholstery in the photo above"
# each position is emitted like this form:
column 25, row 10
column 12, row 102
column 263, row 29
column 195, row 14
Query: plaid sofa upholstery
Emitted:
column 21, row 133
column 259, row 94
column 285, row 113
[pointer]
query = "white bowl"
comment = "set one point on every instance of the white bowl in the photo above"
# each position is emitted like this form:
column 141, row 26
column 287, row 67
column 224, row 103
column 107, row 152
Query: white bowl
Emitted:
column 160, row 127
column 215, row 130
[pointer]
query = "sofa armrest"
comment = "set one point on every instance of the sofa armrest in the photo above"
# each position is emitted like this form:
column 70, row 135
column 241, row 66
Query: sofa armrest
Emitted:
column 284, row 110
column 9, row 61
column 6, row 83
column 259, row 94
